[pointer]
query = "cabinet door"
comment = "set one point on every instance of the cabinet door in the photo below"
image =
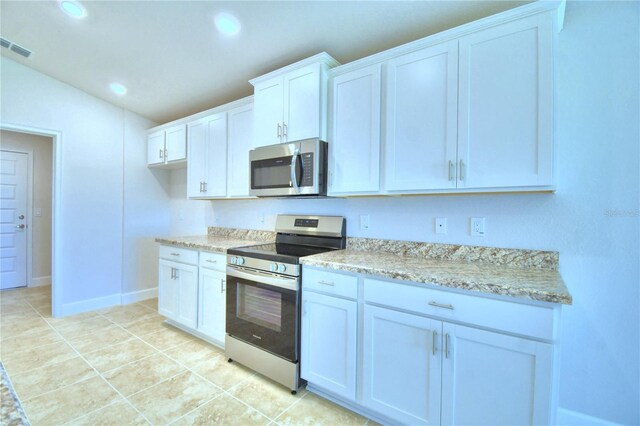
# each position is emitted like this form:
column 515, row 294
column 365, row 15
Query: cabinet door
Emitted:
column 167, row 290
column 328, row 357
column 187, row 282
column 354, row 148
column 215, row 184
column 239, row 143
column 302, row 104
column 401, row 366
column 155, row 148
column 267, row 114
column 176, row 143
column 493, row 379
column 421, row 119
column 506, row 105
column 211, row 303
column 197, row 158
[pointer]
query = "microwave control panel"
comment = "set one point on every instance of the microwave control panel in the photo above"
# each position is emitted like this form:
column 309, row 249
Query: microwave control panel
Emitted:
column 307, row 169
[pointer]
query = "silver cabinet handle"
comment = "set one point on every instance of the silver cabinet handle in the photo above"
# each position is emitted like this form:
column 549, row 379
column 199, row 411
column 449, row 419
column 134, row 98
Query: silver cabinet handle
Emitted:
column 204, row 185
column 446, row 345
column 21, row 226
column 174, row 254
column 172, row 273
column 166, row 153
column 284, row 130
column 175, row 275
column 451, row 166
column 222, row 282
column 323, row 282
column 211, row 261
column 461, row 170
column 435, row 337
column 161, row 154
column 279, row 130
column 440, row 305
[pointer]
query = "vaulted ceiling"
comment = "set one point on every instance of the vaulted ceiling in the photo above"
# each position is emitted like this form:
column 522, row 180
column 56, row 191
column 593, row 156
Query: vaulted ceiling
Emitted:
column 174, row 62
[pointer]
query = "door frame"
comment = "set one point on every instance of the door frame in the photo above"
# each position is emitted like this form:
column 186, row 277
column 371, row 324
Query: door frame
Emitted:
column 29, row 254
column 56, row 137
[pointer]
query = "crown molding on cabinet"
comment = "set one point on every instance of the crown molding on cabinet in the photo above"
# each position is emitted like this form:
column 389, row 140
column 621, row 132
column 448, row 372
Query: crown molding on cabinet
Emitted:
column 540, row 6
column 322, row 57
column 221, row 108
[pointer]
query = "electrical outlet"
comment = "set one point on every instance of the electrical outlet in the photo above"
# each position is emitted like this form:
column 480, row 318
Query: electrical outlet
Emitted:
column 477, row 226
column 365, row 221
column 441, row 225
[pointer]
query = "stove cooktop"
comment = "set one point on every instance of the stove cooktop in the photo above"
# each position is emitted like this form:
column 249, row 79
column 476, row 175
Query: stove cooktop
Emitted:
column 278, row 252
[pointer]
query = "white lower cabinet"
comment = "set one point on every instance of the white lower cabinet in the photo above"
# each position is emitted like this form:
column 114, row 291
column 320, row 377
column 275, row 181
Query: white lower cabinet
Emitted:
column 494, row 379
column 211, row 303
column 401, row 366
column 177, row 292
column 405, row 358
column 328, row 359
column 192, row 291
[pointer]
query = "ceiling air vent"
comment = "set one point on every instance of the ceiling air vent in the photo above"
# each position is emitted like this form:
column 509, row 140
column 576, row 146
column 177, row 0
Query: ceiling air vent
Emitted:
column 14, row 47
column 21, row 50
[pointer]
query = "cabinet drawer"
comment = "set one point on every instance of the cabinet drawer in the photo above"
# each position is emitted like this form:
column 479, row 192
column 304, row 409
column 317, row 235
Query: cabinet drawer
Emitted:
column 330, row 283
column 534, row 321
column 179, row 254
column 215, row 261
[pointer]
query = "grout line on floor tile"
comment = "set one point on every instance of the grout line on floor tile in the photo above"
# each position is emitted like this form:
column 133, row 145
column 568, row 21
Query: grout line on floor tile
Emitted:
column 247, row 404
column 275, row 419
column 195, row 409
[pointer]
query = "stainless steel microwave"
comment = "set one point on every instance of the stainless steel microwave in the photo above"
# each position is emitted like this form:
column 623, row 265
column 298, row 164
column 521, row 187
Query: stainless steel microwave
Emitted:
column 289, row 169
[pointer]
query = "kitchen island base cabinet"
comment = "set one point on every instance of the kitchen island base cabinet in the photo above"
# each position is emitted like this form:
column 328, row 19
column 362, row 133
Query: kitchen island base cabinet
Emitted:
column 401, row 366
column 494, row 379
column 328, row 358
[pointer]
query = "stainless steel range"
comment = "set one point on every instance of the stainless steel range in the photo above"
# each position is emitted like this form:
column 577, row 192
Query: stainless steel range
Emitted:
column 263, row 295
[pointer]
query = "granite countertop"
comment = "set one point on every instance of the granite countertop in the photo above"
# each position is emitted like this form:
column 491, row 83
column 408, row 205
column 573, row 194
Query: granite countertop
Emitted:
column 206, row 242
column 522, row 282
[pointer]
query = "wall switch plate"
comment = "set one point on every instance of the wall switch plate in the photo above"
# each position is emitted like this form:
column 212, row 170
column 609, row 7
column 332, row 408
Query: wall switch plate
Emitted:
column 441, row 225
column 365, row 221
column 477, row 226
column 37, row 212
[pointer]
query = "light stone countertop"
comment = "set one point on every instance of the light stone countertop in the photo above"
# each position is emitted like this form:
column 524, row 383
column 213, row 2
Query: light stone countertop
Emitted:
column 213, row 243
column 544, row 285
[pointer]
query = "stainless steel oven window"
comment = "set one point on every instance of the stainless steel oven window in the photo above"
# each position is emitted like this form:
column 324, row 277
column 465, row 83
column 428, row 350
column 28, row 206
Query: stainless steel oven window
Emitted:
column 260, row 306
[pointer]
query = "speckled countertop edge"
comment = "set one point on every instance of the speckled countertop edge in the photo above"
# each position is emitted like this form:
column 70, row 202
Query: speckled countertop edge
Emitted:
column 206, row 242
column 543, row 285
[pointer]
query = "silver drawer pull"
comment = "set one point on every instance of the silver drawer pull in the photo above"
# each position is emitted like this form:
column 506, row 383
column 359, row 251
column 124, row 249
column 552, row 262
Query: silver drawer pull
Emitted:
column 326, row 282
column 174, row 254
column 440, row 305
column 211, row 261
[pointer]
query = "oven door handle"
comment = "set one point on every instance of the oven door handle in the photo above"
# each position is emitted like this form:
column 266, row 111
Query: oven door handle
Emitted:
column 265, row 278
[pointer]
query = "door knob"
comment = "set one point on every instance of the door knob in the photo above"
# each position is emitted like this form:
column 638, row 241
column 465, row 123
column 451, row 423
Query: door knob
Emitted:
column 21, row 217
column 21, row 226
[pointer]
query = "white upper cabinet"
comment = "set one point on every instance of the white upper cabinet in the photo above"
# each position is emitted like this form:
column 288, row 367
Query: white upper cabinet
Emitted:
column 421, row 119
column 239, row 143
column 167, row 147
column 505, row 121
column 290, row 104
column 207, row 165
column 354, row 140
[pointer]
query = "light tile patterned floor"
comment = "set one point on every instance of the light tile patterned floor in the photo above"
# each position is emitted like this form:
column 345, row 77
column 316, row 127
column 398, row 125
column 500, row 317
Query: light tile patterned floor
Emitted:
column 123, row 366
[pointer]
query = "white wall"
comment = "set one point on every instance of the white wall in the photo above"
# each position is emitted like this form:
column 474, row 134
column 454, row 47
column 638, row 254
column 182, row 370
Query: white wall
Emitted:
column 41, row 148
column 95, row 137
column 598, row 165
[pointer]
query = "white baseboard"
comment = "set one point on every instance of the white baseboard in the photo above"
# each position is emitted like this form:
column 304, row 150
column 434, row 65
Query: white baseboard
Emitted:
column 88, row 305
column 40, row 281
column 138, row 296
column 573, row 418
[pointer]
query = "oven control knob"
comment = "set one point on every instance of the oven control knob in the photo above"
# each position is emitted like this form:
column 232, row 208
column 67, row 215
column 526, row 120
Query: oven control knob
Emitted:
column 282, row 268
column 233, row 260
column 240, row 261
column 274, row 267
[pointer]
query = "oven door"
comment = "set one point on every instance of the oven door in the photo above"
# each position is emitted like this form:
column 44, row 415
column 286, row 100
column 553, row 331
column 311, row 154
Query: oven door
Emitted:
column 262, row 309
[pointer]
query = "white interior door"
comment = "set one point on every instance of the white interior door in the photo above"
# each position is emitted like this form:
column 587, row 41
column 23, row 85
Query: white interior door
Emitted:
column 13, row 220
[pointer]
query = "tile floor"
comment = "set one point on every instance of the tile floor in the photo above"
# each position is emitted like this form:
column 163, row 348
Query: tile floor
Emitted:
column 123, row 366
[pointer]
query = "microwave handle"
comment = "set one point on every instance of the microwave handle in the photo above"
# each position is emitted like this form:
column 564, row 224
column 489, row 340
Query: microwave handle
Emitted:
column 294, row 169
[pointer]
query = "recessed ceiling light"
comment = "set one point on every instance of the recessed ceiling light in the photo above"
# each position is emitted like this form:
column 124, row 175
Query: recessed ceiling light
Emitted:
column 227, row 24
column 73, row 8
column 118, row 88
